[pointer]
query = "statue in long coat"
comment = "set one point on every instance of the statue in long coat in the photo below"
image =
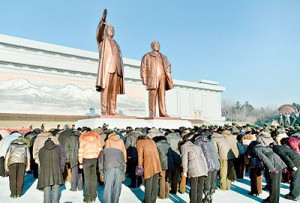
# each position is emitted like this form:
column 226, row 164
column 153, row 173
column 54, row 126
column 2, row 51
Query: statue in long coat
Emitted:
column 110, row 77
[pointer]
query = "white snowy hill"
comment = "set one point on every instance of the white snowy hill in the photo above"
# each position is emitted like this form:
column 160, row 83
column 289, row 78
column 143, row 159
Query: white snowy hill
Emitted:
column 23, row 96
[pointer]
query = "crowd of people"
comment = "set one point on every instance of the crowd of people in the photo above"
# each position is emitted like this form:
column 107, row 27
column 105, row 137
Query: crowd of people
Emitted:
column 164, row 160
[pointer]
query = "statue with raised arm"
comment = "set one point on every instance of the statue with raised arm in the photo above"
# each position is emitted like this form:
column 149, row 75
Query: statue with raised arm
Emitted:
column 287, row 119
column 110, row 77
column 156, row 76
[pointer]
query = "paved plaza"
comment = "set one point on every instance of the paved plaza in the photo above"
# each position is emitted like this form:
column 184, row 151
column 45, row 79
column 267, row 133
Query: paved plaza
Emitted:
column 237, row 194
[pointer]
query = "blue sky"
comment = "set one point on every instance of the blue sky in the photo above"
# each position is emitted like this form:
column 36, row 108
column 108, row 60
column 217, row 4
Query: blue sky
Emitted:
column 251, row 47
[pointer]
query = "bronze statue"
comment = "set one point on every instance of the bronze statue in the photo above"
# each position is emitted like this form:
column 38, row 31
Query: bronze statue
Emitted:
column 110, row 81
column 156, row 75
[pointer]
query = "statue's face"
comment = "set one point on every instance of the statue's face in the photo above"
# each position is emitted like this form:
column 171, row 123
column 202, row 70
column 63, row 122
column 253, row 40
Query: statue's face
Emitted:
column 155, row 46
column 110, row 31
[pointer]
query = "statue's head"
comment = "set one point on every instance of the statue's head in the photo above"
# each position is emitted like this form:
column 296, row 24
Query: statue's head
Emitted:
column 110, row 31
column 155, row 46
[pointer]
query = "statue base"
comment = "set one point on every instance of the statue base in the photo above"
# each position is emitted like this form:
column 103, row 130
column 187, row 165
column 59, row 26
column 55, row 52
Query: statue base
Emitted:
column 134, row 122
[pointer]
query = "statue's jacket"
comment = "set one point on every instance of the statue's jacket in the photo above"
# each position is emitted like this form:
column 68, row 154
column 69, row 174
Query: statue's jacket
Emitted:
column 108, row 62
column 149, row 72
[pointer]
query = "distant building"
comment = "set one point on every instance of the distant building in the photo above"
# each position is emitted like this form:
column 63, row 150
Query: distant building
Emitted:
column 41, row 78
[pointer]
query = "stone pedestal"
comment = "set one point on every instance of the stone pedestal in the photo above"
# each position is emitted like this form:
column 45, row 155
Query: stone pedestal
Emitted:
column 124, row 121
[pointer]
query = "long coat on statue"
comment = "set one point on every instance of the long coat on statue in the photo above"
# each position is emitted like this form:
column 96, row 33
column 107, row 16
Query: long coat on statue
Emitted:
column 149, row 73
column 105, row 46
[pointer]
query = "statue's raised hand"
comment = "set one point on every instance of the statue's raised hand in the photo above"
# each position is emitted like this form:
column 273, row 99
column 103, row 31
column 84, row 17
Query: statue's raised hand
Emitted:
column 104, row 15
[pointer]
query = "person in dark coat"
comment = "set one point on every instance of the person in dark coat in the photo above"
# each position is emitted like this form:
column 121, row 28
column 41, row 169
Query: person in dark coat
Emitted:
column 17, row 161
column 173, row 139
column 112, row 168
column 50, row 176
column 63, row 137
column 31, row 136
column 292, row 160
column 72, row 146
column 211, row 156
column 167, row 164
column 132, row 158
column 274, row 166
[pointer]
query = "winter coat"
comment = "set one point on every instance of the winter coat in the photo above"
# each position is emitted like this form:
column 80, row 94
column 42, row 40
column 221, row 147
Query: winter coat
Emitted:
column 279, row 137
column 223, row 148
column 193, row 160
column 114, row 141
column 149, row 71
column 111, row 158
column 4, row 133
column 270, row 159
column 132, row 138
column 31, row 137
column 294, row 143
column 50, row 172
column 289, row 156
column 153, row 133
column 165, row 153
column 18, row 152
column 6, row 141
column 265, row 138
column 89, row 146
column 148, row 158
column 173, row 139
column 102, row 138
column 232, row 141
column 209, row 151
column 247, row 139
column 63, row 135
column 130, row 146
column 72, row 147
column 39, row 143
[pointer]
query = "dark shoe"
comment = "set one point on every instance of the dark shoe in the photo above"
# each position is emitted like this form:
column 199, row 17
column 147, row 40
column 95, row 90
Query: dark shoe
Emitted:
column 73, row 189
column 132, row 186
column 289, row 196
column 253, row 194
column 205, row 200
column 266, row 200
column 266, row 187
column 173, row 192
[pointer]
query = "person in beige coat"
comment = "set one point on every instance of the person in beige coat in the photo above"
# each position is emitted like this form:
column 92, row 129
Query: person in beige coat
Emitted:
column 114, row 141
column 225, row 153
column 148, row 158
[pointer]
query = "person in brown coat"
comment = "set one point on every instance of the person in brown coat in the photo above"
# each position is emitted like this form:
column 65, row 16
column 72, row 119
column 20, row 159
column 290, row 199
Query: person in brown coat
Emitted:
column 148, row 158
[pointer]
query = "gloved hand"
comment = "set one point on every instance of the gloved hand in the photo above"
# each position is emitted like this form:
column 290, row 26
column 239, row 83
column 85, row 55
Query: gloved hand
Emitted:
column 295, row 168
column 102, row 178
column 185, row 174
column 80, row 166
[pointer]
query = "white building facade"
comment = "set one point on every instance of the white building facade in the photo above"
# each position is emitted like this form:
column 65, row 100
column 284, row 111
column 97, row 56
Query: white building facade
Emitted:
column 41, row 78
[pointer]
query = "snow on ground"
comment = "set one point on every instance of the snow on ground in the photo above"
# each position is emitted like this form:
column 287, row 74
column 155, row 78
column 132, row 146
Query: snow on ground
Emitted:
column 238, row 193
